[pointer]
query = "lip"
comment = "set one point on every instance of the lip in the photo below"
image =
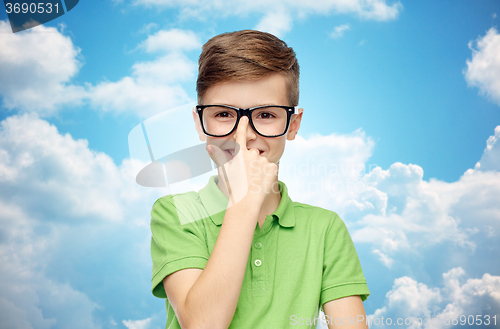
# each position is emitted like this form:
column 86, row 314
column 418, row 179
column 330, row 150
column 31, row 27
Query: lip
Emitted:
column 260, row 151
column 230, row 152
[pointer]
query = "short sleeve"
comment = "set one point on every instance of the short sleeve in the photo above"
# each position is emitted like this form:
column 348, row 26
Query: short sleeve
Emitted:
column 174, row 246
column 342, row 273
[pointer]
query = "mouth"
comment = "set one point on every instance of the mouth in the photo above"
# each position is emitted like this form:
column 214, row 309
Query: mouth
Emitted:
column 230, row 152
column 260, row 151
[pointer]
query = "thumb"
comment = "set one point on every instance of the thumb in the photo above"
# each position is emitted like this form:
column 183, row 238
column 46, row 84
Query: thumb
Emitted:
column 218, row 156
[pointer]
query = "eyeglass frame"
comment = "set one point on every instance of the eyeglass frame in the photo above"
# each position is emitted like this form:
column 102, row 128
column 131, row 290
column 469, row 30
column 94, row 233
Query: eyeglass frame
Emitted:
column 248, row 113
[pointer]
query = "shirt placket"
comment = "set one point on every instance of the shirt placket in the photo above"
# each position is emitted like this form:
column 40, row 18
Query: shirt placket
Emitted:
column 258, row 260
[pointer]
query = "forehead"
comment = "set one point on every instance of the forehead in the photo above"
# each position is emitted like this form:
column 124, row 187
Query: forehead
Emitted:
column 270, row 90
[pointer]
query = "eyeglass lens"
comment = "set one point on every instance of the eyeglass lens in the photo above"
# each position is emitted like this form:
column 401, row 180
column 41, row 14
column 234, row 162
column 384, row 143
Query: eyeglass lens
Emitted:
column 268, row 121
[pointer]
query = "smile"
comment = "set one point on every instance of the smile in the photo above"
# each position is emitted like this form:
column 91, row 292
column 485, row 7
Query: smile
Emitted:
column 231, row 152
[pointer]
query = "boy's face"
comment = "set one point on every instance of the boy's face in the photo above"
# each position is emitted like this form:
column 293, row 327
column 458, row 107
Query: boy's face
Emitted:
column 270, row 90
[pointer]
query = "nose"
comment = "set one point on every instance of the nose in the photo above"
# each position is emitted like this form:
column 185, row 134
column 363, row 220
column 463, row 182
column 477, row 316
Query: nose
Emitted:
column 251, row 134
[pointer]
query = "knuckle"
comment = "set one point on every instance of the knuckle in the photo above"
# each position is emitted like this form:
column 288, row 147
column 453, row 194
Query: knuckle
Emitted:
column 272, row 168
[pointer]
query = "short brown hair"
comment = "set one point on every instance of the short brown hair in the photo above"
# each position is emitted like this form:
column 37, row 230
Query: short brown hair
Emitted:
column 247, row 55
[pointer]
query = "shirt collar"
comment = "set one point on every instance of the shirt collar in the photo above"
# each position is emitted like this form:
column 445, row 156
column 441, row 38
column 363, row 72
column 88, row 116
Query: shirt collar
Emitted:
column 215, row 202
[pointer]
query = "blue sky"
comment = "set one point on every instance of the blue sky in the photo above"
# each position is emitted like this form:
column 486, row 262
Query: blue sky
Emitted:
column 409, row 91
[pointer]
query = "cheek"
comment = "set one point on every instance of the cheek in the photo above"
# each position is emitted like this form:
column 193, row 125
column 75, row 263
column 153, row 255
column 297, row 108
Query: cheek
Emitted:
column 222, row 142
column 278, row 146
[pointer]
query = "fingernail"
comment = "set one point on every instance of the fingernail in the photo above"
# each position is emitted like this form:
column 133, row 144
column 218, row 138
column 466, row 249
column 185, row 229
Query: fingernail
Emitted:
column 209, row 149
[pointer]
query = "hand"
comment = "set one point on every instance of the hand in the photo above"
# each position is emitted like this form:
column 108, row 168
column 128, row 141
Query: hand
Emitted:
column 248, row 173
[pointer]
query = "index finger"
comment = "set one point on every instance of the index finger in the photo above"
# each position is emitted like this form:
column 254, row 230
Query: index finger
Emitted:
column 241, row 132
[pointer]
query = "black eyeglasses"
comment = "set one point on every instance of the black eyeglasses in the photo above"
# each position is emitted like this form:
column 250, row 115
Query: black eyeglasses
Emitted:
column 267, row 120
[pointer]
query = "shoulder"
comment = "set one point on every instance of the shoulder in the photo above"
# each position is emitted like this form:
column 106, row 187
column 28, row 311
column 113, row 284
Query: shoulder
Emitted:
column 316, row 215
column 315, row 211
column 174, row 199
column 177, row 206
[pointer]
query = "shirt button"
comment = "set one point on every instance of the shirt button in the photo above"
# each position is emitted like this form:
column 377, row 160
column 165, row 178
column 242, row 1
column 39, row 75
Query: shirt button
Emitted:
column 258, row 262
column 258, row 245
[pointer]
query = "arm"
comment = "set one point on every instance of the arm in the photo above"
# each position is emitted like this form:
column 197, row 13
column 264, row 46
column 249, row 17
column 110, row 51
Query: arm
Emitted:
column 208, row 298
column 344, row 284
column 348, row 311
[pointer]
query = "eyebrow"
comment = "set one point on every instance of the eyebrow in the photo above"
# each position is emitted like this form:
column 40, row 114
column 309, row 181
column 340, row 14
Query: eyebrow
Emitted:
column 249, row 107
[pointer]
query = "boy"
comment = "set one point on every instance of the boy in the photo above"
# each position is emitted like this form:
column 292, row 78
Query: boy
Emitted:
column 265, row 261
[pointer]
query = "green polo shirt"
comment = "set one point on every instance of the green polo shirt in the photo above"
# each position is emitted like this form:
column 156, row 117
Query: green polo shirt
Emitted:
column 301, row 258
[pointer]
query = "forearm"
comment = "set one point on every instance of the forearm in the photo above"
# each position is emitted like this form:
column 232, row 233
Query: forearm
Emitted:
column 213, row 298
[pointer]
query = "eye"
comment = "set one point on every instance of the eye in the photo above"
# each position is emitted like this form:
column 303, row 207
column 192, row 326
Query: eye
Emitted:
column 223, row 114
column 266, row 115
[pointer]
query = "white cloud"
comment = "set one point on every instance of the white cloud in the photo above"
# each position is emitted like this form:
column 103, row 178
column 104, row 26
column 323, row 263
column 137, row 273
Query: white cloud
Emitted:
column 422, row 300
column 28, row 299
column 165, row 70
column 491, row 155
column 147, row 28
column 154, row 86
column 61, row 206
column 367, row 9
column 36, row 171
column 413, row 215
column 386, row 260
column 128, row 95
column 338, row 31
column 137, row 324
column 279, row 15
column 379, row 10
column 483, row 70
column 36, row 66
column 418, row 304
column 395, row 211
column 275, row 22
column 325, row 170
column 475, row 296
column 419, row 214
column 171, row 41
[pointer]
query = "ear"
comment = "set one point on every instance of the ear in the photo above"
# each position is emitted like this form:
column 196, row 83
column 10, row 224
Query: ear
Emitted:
column 197, row 124
column 294, row 125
